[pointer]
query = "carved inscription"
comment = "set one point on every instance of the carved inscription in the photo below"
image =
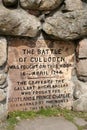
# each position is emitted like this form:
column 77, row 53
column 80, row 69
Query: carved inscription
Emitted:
column 40, row 74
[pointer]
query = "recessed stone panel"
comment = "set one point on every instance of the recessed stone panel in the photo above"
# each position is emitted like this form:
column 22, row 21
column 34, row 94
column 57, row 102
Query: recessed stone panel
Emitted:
column 40, row 74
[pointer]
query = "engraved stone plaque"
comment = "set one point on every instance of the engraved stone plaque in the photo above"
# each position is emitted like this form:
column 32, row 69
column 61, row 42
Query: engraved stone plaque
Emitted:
column 40, row 74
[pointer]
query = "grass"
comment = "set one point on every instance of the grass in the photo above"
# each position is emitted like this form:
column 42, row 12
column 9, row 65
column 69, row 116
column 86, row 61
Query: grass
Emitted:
column 14, row 117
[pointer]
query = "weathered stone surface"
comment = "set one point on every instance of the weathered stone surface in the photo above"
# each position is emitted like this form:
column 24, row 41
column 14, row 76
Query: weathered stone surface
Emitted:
column 80, row 121
column 10, row 3
column 82, row 78
column 82, row 60
column 46, row 123
column 40, row 74
column 4, row 85
column 3, row 112
column 18, row 23
column 80, row 93
column 82, row 49
column 3, row 50
column 80, row 104
column 84, row 4
column 34, row 12
column 80, row 89
column 82, row 69
column 67, row 26
column 5, row 90
column 3, row 125
column 73, row 5
column 2, row 95
column 40, row 4
column 2, row 78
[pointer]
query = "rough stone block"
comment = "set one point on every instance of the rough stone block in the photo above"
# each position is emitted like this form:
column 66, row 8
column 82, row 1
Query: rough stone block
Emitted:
column 80, row 104
column 3, row 112
column 3, row 50
column 82, row 49
column 67, row 26
column 80, row 121
column 18, row 23
column 2, row 95
column 80, row 89
column 2, row 78
column 4, row 85
column 82, row 69
column 40, row 4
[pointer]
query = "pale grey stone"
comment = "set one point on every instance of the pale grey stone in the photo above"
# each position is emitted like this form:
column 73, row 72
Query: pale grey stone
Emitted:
column 18, row 22
column 81, row 64
column 82, row 48
column 82, row 69
column 80, row 104
column 3, row 112
column 67, row 26
column 4, row 85
column 5, row 90
column 3, row 125
column 3, row 50
column 73, row 5
column 80, row 121
column 80, row 89
column 48, row 123
column 2, row 78
column 2, row 95
column 40, row 4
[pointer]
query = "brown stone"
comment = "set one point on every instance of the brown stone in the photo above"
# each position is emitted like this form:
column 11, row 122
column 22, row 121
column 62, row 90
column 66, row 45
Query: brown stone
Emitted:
column 40, row 74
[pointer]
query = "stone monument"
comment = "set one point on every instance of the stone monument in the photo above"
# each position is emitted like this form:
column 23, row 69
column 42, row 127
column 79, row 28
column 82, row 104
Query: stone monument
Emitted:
column 43, row 55
column 40, row 74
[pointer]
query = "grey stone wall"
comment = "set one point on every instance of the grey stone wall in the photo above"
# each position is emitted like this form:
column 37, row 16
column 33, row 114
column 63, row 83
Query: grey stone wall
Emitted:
column 3, row 77
column 57, row 19
column 80, row 92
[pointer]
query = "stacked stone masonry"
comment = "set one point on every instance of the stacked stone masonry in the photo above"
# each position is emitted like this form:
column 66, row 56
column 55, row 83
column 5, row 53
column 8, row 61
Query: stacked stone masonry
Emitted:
column 3, row 77
column 62, row 20
column 81, row 85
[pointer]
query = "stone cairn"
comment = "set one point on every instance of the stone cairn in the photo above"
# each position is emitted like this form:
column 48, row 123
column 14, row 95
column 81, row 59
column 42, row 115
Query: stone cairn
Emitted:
column 59, row 19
